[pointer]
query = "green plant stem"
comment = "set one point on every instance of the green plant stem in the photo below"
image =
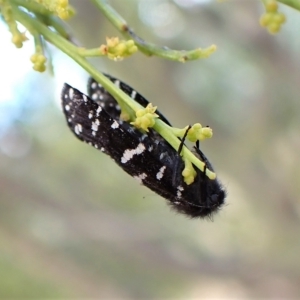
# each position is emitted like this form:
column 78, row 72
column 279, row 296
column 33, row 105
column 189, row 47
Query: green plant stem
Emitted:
column 34, row 24
column 58, row 25
column 292, row 3
column 95, row 52
column 33, row 6
column 148, row 48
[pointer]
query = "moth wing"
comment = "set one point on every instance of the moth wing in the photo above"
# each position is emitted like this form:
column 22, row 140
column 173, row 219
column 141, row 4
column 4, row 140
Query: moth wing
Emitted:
column 127, row 146
column 152, row 161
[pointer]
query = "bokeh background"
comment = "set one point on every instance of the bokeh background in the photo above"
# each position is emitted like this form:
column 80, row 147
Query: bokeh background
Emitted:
column 74, row 225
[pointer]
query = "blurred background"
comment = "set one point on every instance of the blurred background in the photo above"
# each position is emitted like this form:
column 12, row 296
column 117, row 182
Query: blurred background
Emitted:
column 73, row 224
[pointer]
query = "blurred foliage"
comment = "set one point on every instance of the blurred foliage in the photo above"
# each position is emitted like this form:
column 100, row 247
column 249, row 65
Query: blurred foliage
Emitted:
column 74, row 225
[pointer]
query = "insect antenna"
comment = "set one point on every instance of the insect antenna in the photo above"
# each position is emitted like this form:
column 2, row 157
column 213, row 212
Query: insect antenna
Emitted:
column 177, row 161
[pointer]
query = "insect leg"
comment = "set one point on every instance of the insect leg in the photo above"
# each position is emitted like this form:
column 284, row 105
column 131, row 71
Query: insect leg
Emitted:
column 179, row 159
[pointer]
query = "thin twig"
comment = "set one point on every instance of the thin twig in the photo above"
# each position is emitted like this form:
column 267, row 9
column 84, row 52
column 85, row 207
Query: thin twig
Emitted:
column 148, row 48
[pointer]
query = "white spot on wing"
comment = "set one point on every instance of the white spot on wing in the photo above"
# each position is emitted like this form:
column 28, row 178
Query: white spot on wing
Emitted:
column 71, row 93
column 140, row 148
column 160, row 173
column 133, row 94
column 67, row 107
column 129, row 153
column 94, row 85
column 78, row 129
column 179, row 190
column 115, row 125
column 99, row 109
column 140, row 177
column 95, row 125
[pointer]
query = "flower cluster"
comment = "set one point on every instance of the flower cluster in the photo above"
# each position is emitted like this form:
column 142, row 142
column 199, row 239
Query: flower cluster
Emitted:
column 38, row 60
column 116, row 49
column 145, row 117
column 272, row 19
column 60, row 7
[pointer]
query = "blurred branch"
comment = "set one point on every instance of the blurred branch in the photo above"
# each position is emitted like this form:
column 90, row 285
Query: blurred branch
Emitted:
column 148, row 48
column 292, row 3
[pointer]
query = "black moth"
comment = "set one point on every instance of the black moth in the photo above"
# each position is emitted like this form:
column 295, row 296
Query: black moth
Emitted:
column 145, row 156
